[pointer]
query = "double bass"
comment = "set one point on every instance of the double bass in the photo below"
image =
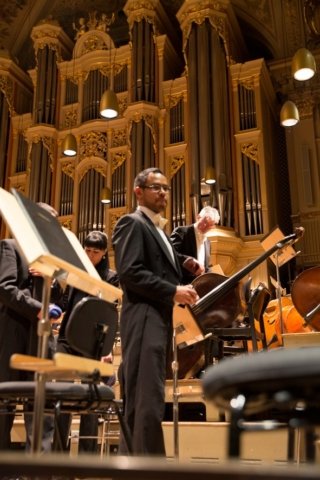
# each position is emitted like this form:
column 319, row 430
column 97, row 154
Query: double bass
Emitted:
column 218, row 306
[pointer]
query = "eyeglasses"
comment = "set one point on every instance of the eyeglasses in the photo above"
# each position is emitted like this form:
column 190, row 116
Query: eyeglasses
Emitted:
column 156, row 187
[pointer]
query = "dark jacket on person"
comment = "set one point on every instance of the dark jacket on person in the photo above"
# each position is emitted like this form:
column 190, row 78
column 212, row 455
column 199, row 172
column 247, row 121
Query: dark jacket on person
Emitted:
column 185, row 243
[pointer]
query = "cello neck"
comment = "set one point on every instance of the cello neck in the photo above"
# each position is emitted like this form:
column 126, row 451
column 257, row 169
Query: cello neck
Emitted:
column 218, row 292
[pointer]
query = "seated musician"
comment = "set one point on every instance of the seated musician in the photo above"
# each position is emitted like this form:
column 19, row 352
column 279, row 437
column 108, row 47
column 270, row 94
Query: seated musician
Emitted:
column 193, row 246
column 95, row 245
column 20, row 311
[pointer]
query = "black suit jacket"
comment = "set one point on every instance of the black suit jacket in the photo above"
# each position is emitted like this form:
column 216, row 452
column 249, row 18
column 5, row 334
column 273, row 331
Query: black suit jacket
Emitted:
column 184, row 241
column 18, row 310
column 148, row 276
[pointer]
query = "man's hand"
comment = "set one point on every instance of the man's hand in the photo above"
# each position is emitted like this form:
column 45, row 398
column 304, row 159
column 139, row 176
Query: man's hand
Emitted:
column 192, row 265
column 186, row 295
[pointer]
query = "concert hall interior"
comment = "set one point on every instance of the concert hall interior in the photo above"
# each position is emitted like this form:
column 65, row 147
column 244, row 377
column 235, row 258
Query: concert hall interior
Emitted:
column 208, row 91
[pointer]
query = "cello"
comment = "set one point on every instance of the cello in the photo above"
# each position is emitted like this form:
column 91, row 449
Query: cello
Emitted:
column 218, row 306
column 305, row 294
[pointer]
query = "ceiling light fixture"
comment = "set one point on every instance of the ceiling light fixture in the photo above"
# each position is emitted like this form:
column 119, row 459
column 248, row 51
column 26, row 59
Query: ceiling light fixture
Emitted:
column 303, row 65
column 106, row 195
column 210, row 175
column 289, row 114
column 109, row 106
column 69, row 145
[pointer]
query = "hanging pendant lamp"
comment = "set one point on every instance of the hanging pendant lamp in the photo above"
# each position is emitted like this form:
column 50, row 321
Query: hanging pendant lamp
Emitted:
column 289, row 114
column 109, row 107
column 106, row 195
column 69, row 145
column 303, row 65
column 210, row 175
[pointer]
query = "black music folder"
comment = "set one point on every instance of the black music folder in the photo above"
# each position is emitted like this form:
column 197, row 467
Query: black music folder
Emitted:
column 50, row 248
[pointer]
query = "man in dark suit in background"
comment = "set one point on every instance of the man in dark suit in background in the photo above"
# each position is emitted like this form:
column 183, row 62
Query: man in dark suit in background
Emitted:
column 149, row 276
column 192, row 244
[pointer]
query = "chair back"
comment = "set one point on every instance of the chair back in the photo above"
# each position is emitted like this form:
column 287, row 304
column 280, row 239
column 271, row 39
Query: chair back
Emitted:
column 259, row 300
column 92, row 327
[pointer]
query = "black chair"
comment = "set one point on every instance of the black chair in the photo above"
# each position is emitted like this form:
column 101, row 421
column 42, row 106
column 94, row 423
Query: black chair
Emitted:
column 281, row 387
column 91, row 331
column 235, row 340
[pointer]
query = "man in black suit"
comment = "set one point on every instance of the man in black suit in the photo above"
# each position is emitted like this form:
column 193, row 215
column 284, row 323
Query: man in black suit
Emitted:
column 193, row 246
column 149, row 276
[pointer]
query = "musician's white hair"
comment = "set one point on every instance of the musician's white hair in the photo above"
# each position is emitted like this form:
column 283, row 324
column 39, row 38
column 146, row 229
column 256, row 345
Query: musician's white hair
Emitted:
column 211, row 213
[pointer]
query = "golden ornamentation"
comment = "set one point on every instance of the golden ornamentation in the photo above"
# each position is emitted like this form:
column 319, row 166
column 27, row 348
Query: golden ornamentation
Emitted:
column 95, row 164
column 93, row 144
column 68, row 168
column 67, row 223
column 198, row 13
column 119, row 137
column 70, row 118
column 171, row 101
column 247, row 83
column 93, row 42
column 6, row 87
column 250, row 150
column 175, row 163
column 138, row 10
column 49, row 144
column 117, row 159
column 150, row 121
column 94, row 23
column 123, row 104
column 114, row 216
column 47, row 37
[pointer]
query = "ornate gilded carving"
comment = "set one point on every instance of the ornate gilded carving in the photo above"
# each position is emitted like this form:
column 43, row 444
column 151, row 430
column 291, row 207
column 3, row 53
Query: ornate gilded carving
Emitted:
column 172, row 100
column 70, row 118
column 93, row 144
column 101, row 23
column 119, row 137
column 149, row 120
column 175, row 163
column 250, row 150
column 123, row 104
column 198, row 12
column 6, row 87
column 85, row 166
column 49, row 144
column 247, row 83
column 138, row 10
column 66, row 223
column 117, row 159
column 68, row 168
column 47, row 37
column 114, row 216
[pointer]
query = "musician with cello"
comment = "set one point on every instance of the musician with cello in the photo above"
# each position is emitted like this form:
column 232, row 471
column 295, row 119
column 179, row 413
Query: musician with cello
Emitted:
column 192, row 244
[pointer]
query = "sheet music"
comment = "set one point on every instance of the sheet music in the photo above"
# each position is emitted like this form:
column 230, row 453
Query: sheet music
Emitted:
column 282, row 256
column 50, row 248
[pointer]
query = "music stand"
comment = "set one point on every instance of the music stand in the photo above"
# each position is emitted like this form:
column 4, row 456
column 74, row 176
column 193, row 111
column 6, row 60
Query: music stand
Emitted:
column 56, row 253
column 279, row 258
